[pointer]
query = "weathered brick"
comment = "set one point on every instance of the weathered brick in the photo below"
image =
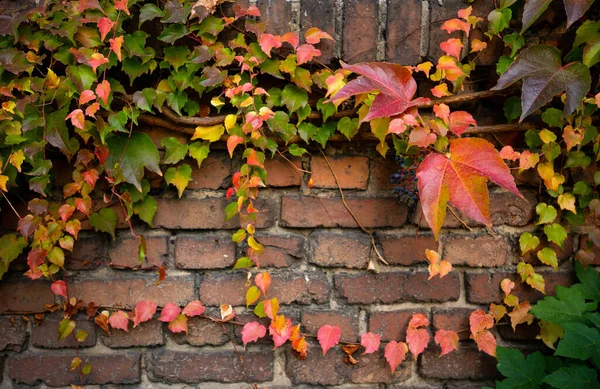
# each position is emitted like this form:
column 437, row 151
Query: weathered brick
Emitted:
column 394, row 287
column 310, row 212
column 439, row 13
column 352, row 172
column 276, row 15
column 46, row 334
column 465, row 363
column 124, row 252
column 53, row 369
column 203, row 332
column 146, row 334
column 281, row 250
column 217, row 289
column 406, row 250
column 403, row 31
column 280, row 174
column 205, row 214
column 14, row 333
column 129, row 291
column 89, row 252
column 360, row 30
column 330, row 369
column 346, row 320
column 204, row 251
column 383, row 168
column 222, row 366
column 321, row 14
column 350, row 249
column 476, row 251
column 455, row 319
column 524, row 332
column 583, row 244
column 19, row 294
column 484, row 288
column 391, row 325
column 212, row 174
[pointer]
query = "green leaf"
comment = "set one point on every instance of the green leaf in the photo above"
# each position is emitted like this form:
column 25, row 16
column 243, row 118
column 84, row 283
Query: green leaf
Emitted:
column 86, row 369
column 134, row 67
column 81, row 335
column 327, row 109
column 548, row 257
column 296, row 150
column 568, row 306
column 520, row 372
column 553, row 117
column 532, row 139
column 144, row 99
column 133, row 154
column 591, row 53
column 293, row 97
column 10, row 248
column 231, row 210
column 547, row 213
column 503, row 63
column 57, row 256
column 555, row 233
column 146, row 209
column 579, row 342
column 82, row 76
column 199, row 151
column 172, row 33
column 532, row 11
column 177, row 100
column 65, row 327
column 239, row 236
column 149, row 12
column 57, row 133
column 175, row 151
column 307, row 131
column 499, row 19
column 590, row 281
column 573, row 377
column 589, row 30
column 577, row 159
column 348, row 127
column 514, row 41
column 243, row 263
column 105, row 220
column 179, row 177
column 512, row 108
column 176, row 55
column 528, row 242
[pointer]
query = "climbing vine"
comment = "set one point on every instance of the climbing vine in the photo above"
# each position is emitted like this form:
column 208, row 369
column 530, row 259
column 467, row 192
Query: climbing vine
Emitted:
column 78, row 78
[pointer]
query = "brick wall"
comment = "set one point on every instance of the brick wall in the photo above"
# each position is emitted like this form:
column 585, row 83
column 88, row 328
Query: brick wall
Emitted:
column 317, row 257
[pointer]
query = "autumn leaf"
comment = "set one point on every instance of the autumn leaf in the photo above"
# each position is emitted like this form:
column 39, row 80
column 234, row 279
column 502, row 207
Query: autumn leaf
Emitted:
column 417, row 340
column 252, row 295
column 395, row 353
column 507, row 286
column 550, row 333
column 77, row 118
column 119, row 320
column 370, row 342
column 521, row 315
column 105, row 25
column 169, row 312
column 209, row 133
column 509, row 153
column 452, row 47
column 194, row 308
column 103, row 91
column 179, row 177
column 232, row 142
column 306, row 53
column 59, row 288
column 455, row 25
column 447, row 340
column 86, row 96
column 253, row 331
column 498, row 311
column 441, row 90
column 268, row 42
column 328, row 337
column 460, row 179
column 485, row 342
column 314, row 35
column 280, row 330
column 263, row 280
column 144, row 310
column 480, row 321
column 179, row 324
column 115, row 46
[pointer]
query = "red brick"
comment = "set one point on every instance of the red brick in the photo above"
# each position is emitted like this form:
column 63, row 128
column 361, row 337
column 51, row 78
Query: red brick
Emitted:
column 594, row 249
column 330, row 369
column 281, row 250
column 204, row 251
column 222, row 366
column 524, row 332
column 14, row 333
column 205, row 214
column 391, row 325
column 276, row 15
column 52, row 369
column 217, row 289
column 476, row 251
column 124, row 252
column 347, row 321
column 116, row 291
column 46, row 334
column 321, row 14
column 465, row 363
column 281, row 174
column 383, row 168
column 395, row 287
column 406, row 250
column 310, row 212
column 146, row 334
column 214, row 173
column 352, row 172
column 89, row 252
column 203, row 332
column 350, row 249
column 484, row 288
column 404, row 31
column 360, row 30
column 19, row 294
column 455, row 319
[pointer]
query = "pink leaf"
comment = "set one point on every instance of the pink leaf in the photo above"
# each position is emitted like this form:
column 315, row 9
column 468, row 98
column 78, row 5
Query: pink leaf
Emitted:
column 77, row 118
column 418, row 320
column 144, row 310
column 263, row 280
column 105, row 25
column 179, row 324
column 97, row 60
column 252, row 332
column 119, row 320
column 103, row 91
column 452, row 47
column 328, row 337
column 397, row 126
column 370, row 342
column 485, row 342
column 306, row 53
column 280, row 336
column 86, row 96
column 195, row 308
column 421, row 137
column 169, row 312
column 417, row 340
column 460, row 120
column 268, row 41
column 395, row 352
column 59, row 288
column 447, row 340
column 509, row 153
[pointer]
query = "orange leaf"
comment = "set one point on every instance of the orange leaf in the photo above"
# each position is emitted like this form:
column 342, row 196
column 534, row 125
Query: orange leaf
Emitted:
column 452, row 47
column 521, row 315
column 477, row 45
column 480, row 321
column 447, row 340
column 485, row 342
column 115, row 46
column 103, row 91
column 97, row 60
column 314, row 35
column 232, row 142
column 328, row 337
column 395, row 353
column 77, row 118
column 291, row 38
column 509, row 153
column 441, row 90
column 179, row 324
column 252, row 159
column 92, row 109
column 507, row 286
column 121, row 5
column 65, row 212
column 194, row 308
column 445, row 268
column 455, row 25
column 263, row 280
column 280, row 332
column 528, row 160
column 442, row 111
column 460, row 120
column 498, row 311
column 86, row 96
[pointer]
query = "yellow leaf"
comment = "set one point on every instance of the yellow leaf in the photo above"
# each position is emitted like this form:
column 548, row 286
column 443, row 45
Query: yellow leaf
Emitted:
column 547, row 136
column 252, row 295
column 567, row 201
column 425, row 67
column 52, row 80
column 210, row 133
column 216, row 102
column 248, row 102
column 164, row 86
column 550, row 333
column 259, row 248
column 230, row 121
column 3, row 181
column 16, row 159
column 546, row 170
column 9, row 106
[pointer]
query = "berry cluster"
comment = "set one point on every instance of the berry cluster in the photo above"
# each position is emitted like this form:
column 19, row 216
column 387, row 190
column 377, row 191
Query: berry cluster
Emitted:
column 406, row 178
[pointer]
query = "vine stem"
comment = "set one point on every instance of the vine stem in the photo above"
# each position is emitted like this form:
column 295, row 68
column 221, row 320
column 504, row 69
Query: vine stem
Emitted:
column 11, row 206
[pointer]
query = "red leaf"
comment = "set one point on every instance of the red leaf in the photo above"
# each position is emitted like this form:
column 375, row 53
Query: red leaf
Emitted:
column 91, row 176
column 122, row 5
column 115, row 46
column 459, row 121
column 230, row 192
column 119, row 320
column 370, row 342
column 232, row 142
column 263, row 280
column 452, row 47
column 328, row 337
column 84, row 205
column 144, row 310
column 395, row 83
column 280, row 330
column 314, row 35
column 195, row 308
column 485, row 342
column 447, row 340
column 442, row 111
column 179, row 324
column 65, row 212
column 417, row 340
column 169, row 312
column 103, row 91
column 59, row 288
column 461, row 181
column 87, row 4
column 97, row 60
column 395, row 353
column 480, row 321
column 306, row 53
column 92, row 109
column 105, row 25
column 268, row 41
column 86, row 96
column 77, row 118
column 252, row 332
column 418, row 320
